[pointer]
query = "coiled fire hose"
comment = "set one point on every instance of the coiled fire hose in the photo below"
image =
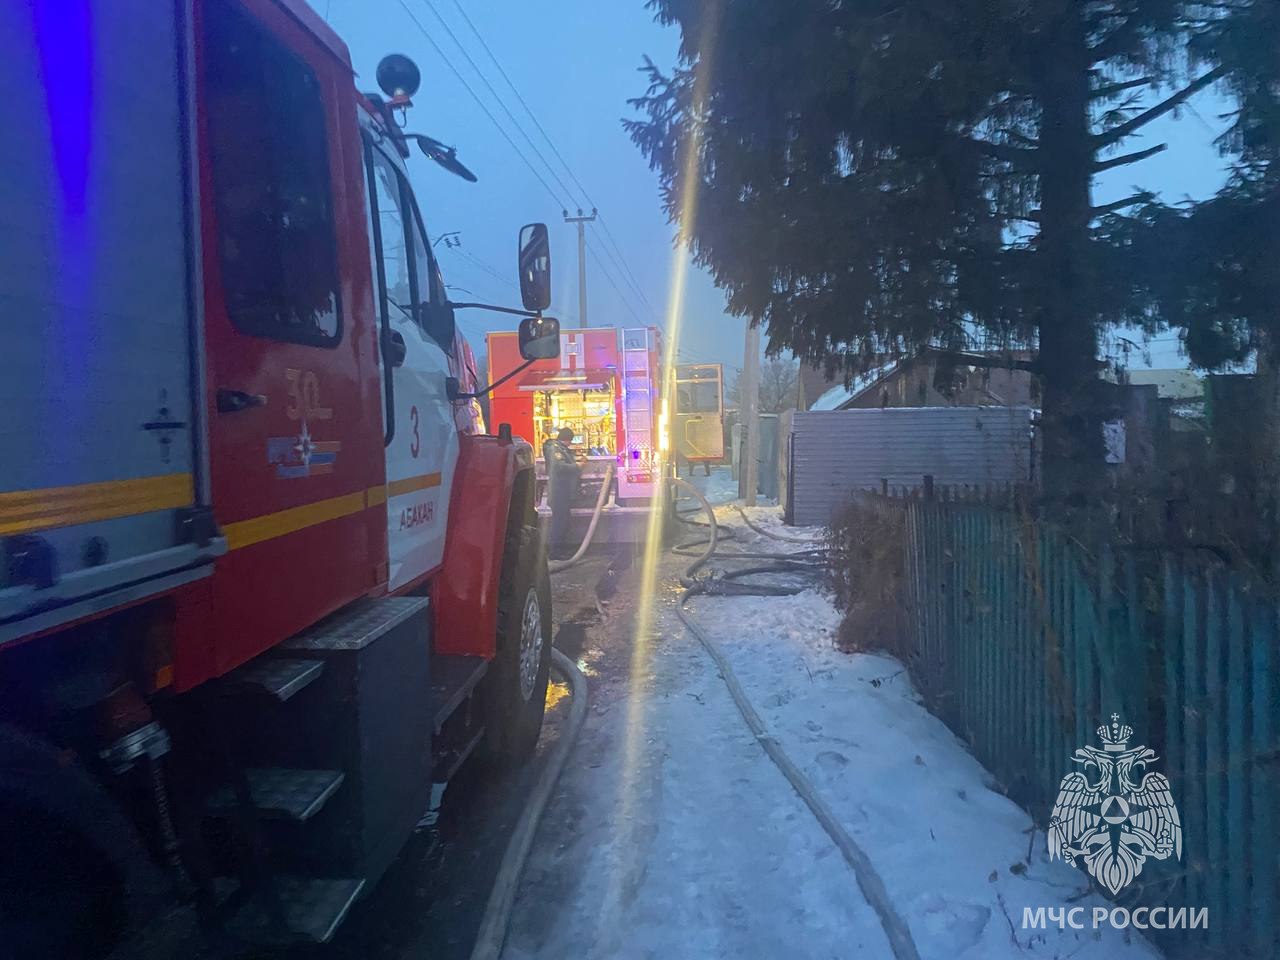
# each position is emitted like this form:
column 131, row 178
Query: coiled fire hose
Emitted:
column 895, row 927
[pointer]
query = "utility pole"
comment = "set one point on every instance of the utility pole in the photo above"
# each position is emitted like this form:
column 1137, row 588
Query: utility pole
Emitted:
column 582, row 222
column 749, row 397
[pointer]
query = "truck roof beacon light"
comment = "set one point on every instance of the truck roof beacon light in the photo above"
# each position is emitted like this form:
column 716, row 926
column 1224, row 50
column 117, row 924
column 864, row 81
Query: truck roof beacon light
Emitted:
column 399, row 78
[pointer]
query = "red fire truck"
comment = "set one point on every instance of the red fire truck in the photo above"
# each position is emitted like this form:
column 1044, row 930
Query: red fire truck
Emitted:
column 605, row 386
column 264, row 581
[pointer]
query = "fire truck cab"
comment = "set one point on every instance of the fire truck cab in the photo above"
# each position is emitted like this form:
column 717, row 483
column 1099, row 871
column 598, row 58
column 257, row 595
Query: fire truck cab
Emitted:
column 265, row 582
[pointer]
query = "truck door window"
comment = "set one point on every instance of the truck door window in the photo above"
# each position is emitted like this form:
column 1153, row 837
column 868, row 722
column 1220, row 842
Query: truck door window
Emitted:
column 698, row 397
column 272, row 193
column 398, row 275
column 429, row 280
column 411, row 277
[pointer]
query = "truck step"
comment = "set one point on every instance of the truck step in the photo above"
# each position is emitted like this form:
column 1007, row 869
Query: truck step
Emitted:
column 448, row 761
column 310, row 907
column 282, row 793
column 453, row 678
column 277, row 678
column 355, row 627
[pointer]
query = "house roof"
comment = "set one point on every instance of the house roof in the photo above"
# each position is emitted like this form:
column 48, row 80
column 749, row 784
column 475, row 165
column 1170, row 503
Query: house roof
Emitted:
column 1179, row 384
column 839, row 395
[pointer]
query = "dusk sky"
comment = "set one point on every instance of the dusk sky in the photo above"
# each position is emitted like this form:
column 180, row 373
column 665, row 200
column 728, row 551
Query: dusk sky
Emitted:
column 575, row 63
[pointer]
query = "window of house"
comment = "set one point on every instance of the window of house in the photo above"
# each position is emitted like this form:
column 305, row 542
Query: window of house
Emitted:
column 272, row 192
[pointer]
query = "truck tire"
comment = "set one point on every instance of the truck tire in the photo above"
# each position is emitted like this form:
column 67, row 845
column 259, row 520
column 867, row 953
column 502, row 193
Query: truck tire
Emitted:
column 518, row 689
column 74, row 878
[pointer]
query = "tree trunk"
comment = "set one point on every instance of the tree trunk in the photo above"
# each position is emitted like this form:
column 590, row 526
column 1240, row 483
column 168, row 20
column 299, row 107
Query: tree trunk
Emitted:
column 1072, row 411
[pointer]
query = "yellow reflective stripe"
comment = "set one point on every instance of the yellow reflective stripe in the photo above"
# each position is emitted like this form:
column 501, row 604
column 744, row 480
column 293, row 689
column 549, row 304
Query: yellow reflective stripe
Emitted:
column 426, row 481
column 25, row 511
column 245, row 533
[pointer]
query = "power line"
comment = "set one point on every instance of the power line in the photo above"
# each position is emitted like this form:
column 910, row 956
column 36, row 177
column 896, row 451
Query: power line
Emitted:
column 622, row 295
column 624, row 273
column 480, row 103
column 497, row 98
column 483, row 266
column 625, row 266
column 626, row 302
column 502, row 130
column 514, row 89
column 625, row 269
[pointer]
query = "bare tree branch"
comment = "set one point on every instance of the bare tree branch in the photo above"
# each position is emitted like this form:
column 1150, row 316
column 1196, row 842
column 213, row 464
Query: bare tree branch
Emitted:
column 1111, row 89
column 1114, row 42
column 1118, row 133
column 1128, row 158
column 1119, row 204
column 1021, row 158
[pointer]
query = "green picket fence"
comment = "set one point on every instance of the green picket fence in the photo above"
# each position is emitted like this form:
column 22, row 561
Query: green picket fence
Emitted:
column 1024, row 642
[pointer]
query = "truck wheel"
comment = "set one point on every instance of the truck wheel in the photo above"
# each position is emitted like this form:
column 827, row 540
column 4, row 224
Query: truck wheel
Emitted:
column 60, row 898
column 74, row 877
column 518, row 688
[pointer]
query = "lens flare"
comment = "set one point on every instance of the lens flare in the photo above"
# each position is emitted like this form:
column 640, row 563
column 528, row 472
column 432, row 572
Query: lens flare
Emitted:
column 630, row 781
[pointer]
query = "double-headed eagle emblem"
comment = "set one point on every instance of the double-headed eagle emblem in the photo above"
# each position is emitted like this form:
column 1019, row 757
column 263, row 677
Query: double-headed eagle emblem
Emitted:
column 1114, row 813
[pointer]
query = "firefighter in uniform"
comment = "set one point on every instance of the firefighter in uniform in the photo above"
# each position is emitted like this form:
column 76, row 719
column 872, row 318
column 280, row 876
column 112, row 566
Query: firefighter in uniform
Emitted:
column 563, row 476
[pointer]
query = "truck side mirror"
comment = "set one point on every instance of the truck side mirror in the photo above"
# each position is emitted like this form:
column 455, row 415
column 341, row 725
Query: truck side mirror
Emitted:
column 535, row 267
column 540, row 338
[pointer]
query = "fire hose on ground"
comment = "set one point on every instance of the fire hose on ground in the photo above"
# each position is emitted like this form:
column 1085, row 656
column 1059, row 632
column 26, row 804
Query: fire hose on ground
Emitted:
column 497, row 912
column 493, row 927
column 557, row 565
column 869, row 881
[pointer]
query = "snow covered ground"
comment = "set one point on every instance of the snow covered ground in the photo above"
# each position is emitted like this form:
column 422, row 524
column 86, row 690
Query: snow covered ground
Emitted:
column 952, row 852
column 720, row 487
column 675, row 836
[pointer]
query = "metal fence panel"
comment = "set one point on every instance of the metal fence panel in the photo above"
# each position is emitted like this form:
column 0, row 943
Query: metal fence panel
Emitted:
column 1024, row 642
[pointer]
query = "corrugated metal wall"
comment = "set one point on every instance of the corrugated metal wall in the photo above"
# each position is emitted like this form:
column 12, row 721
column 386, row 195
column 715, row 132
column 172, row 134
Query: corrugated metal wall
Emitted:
column 834, row 452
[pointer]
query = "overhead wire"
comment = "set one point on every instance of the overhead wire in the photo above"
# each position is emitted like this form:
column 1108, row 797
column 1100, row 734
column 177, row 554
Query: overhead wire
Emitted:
column 626, row 302
column 629, row 276
column 481, row 104
column 484, row 266
column 524, row 103
column 623, row 270
column 497, row 98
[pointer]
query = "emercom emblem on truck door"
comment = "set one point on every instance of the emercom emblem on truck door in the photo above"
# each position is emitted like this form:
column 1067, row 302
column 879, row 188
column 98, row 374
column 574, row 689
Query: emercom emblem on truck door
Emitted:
column 305, row 454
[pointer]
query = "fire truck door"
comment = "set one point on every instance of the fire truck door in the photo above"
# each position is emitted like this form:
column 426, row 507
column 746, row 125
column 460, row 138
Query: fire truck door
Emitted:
column 421, row 436
column 291, row 383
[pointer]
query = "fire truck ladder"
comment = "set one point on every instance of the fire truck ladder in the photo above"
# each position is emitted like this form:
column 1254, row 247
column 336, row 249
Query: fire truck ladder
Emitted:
column 637, row 405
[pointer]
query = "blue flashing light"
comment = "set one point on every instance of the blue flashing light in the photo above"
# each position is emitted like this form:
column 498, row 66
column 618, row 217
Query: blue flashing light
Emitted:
column 64, row 42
